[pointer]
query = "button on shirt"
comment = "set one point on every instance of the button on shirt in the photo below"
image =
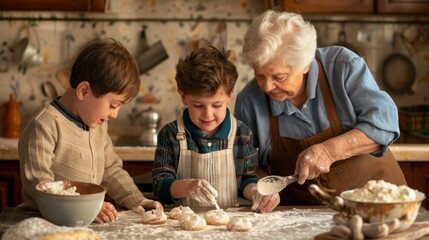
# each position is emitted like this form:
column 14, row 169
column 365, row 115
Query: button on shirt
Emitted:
column 359, row 102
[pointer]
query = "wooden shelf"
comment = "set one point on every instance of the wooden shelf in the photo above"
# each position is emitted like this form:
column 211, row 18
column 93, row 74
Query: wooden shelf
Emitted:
column 53, row 5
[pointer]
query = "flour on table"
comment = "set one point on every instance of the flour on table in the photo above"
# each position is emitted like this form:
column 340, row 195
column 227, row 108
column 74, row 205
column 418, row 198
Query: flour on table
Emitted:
column 294, row 224
column 38, row 228
column 381, row 191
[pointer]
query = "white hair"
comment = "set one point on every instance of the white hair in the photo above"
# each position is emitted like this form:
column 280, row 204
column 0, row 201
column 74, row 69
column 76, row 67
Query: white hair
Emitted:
column 283, row 36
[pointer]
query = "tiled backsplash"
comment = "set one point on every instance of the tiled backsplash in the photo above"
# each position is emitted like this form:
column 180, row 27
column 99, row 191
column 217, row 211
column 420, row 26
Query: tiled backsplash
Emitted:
column 172, row 22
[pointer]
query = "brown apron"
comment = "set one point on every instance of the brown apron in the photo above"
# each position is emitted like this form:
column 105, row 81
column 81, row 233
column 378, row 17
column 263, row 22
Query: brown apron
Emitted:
column 343, row 175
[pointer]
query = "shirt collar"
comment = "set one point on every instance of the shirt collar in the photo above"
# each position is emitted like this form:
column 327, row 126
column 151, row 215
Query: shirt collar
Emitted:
column 70, row 116
column 286, row 106
column 196, row 133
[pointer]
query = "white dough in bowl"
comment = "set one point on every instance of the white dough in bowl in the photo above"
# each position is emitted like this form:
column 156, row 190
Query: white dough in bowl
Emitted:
column 382, row 192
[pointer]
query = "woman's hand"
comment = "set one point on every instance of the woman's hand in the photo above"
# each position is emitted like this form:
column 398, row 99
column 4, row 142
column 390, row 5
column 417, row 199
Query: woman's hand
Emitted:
column 313, row 162
column 107, row 213
column 261, row 203
column 317, row 159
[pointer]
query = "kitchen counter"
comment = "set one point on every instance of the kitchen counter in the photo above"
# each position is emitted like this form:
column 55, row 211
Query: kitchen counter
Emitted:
column 9, row 151
column 132, row 153
column 402, row 152
column 285, row 222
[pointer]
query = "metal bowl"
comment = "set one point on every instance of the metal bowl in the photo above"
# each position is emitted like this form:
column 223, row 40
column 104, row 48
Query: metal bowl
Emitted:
column 371, row 212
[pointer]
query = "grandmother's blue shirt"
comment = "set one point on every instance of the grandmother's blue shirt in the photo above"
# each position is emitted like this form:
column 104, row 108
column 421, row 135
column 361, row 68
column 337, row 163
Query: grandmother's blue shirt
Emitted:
column 359, row 102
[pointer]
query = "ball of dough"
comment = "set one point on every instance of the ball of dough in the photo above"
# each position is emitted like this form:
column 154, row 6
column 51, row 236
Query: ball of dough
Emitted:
column 155, row 216
column 217, row 217
column 176, row 212
column 192, row 222
column 239, row 224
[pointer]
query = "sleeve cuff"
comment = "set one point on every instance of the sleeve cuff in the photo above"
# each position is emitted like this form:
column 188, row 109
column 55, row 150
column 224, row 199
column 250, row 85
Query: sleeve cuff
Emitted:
column 382, row 137
column 165, row 193
column 246, row 180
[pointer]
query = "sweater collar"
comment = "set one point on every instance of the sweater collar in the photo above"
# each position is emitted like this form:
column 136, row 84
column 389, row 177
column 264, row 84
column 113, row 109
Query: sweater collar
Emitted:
column 70, row 116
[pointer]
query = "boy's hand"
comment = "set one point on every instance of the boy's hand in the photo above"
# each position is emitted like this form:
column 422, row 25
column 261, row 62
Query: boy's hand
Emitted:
column 261, row 203
column 107, row 213
column 265, row 203
column 147, row 204
column 203, row 192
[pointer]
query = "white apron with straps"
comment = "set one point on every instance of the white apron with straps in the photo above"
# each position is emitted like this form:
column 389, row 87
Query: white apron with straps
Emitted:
column 217, row 167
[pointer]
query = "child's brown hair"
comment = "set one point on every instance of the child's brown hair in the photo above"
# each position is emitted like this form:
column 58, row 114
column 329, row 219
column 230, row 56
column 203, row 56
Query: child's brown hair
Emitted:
column 108, row 66
column 205, row 70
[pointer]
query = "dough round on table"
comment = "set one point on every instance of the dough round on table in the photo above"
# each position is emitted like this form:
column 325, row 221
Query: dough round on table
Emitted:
column 217, row 217
column 36, row 228
column 239, row 224
column 176, row 212
column 155, row 216
column 192, row 222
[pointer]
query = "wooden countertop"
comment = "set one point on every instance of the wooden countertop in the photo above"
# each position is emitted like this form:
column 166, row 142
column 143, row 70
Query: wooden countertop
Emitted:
column 9, row 151
column 402, row 152
column 294, row 222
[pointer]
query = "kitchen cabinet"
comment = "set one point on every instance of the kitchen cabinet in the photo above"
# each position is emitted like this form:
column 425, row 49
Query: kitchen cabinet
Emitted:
column 10, row 180
column 141, row 172
column 403, row 6
column 357, row 6
column 332, row 6
column 417, row 176
column 53, row 5
column 10, row 183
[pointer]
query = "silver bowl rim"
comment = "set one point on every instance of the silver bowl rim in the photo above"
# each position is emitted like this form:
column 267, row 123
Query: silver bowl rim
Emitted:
column 420, row 197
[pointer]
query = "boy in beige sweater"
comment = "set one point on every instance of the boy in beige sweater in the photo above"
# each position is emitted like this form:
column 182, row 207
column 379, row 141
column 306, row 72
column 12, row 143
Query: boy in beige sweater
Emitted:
column 68, row 138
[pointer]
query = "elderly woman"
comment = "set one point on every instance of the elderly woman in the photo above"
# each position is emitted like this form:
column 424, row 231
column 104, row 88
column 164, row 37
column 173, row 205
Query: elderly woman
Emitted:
column 315, row 112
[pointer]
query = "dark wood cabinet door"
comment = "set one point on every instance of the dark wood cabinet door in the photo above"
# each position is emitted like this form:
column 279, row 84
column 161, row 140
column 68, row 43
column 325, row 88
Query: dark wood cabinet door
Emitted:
column 421, row 178
column 403, row 6
column 10, row 184
column 10, row 180
column 407, row 170
column 53, row 5
column 332, row 6
column 417, row 176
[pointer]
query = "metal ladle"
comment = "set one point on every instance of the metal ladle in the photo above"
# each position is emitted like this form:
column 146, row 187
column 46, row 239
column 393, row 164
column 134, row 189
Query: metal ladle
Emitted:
column 49, row 90
column 273, row 184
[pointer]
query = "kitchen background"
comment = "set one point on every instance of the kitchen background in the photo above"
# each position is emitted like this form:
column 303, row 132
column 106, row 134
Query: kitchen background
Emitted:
column 168, row 29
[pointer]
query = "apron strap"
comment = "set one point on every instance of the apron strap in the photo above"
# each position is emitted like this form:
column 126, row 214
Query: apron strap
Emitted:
column 181, row 133
column 232, row 132
column 328, row 100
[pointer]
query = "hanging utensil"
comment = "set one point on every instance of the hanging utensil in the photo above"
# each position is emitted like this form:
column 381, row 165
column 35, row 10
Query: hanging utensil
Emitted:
column 220, row 40
column 49, row 90
column 25, row 53
column 151, row 55
column 398, row 71
column 342, row 40
column 64, row 72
